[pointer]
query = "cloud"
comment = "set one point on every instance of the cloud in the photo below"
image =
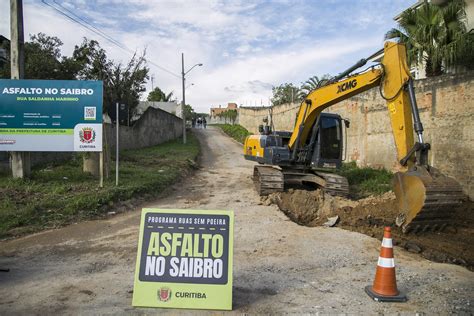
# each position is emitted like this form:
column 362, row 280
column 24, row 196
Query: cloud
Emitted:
column 252, row 78
column 253, row 86
column 246, row 47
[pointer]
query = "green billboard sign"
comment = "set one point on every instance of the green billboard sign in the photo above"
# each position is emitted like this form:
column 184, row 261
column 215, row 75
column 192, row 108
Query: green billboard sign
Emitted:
column 50, row 115
column 184, row 259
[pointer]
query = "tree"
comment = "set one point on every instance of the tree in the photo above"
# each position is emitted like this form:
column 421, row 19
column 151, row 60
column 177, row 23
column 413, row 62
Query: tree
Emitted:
column 228, row 115
column 43, row 60
column 123, row 83
column 312, row 83
column 189, row 112
column 436, row 36
column 232, row 115
column 94, row 62
column 5, row 60
column 159, row 96
column 285, row 93
column 221, row 116
column 128, row 81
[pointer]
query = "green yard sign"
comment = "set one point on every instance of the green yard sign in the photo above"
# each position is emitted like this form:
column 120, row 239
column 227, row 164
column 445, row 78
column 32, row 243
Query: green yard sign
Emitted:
column 184, row 259
column 50, row 115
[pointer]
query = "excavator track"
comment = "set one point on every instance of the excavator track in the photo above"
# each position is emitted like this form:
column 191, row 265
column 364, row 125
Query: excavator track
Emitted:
column 335, row 184
column 428, row 203
column 268, row 179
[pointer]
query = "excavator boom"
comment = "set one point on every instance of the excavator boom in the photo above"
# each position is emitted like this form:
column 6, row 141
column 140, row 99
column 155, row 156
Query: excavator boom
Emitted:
column 425, row 197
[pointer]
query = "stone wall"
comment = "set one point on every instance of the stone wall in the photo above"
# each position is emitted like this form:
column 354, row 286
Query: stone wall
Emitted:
column 447, row 111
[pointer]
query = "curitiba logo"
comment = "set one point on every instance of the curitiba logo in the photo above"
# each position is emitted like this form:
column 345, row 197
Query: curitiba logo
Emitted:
column 164, row 294
column 87, row 135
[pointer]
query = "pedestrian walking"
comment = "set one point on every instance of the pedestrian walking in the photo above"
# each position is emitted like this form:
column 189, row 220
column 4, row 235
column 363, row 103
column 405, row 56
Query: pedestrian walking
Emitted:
column 204, row 122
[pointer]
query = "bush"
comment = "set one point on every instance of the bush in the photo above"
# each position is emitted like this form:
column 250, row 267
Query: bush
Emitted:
column 366, row 181
column 237, row 132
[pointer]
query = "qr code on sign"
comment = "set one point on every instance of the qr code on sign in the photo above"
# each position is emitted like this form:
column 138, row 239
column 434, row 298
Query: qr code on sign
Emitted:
column 89, row 113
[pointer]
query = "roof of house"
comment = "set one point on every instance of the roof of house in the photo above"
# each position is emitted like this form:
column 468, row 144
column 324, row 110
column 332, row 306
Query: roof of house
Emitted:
column 413, row 6
column 3, row 39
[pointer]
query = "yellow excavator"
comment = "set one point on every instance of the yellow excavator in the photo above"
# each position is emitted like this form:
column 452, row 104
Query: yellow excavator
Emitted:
column 310, row 153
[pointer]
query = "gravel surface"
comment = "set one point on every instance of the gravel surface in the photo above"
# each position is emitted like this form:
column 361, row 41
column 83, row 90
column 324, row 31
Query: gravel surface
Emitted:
column 279, row 266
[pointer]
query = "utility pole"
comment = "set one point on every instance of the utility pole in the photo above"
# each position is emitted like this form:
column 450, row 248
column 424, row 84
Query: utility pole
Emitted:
column 183, row 103
column 20, row 161
column 184, row 99
column 117, row 143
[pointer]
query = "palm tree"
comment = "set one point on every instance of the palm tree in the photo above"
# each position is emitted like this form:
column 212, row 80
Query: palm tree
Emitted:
column 311, row 84
column 159, row 96
column 435, row 36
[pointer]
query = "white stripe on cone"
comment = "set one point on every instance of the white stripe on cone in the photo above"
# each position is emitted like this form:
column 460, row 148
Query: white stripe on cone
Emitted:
column 386, row 262
column 387, row 243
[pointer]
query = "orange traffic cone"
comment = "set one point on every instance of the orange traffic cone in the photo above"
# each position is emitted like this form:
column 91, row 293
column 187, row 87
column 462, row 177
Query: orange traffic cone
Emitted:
column 384, row 288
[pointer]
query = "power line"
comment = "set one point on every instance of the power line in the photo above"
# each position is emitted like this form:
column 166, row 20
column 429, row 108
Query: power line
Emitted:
column 89, row 24
column 97, row 31
column 100, row 33
column 103, row 35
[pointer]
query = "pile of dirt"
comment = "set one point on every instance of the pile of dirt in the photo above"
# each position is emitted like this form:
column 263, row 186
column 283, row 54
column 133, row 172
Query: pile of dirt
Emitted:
column 309, row 208
column 369, row 215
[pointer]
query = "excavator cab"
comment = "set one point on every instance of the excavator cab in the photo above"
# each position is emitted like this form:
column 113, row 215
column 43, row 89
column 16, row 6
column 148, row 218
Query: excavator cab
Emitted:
column 323, row 150
column 327, row 152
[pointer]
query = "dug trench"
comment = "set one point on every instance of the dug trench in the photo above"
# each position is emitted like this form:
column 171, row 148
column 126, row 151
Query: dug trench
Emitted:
column 369, row 215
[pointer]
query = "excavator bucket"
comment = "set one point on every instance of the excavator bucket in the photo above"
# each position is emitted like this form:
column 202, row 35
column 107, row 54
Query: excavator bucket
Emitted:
column 426, row 199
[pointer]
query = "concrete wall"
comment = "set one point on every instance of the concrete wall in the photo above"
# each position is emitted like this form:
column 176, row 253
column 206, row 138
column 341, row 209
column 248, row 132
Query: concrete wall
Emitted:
column 447, row 111
column 154, row 127
column 284, row 116
column 220, row 120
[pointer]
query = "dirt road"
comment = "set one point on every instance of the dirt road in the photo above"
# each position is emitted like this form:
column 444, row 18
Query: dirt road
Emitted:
column 279, row 266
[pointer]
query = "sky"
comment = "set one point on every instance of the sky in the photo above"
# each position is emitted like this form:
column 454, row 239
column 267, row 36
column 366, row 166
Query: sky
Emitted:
column 246, row 47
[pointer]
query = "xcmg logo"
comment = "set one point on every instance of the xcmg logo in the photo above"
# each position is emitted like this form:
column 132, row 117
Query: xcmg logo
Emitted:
column 346, row 86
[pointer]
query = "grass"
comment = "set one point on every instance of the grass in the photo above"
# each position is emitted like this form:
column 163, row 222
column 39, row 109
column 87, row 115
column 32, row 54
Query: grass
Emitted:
column 366, row 181
column 63, row 194
column 237, row 132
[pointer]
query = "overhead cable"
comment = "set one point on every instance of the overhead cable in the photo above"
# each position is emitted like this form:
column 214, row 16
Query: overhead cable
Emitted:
column 78, row 20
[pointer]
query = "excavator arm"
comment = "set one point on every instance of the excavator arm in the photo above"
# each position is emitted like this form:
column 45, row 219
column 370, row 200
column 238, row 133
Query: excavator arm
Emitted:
column 392, row 74
column 425, row 196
